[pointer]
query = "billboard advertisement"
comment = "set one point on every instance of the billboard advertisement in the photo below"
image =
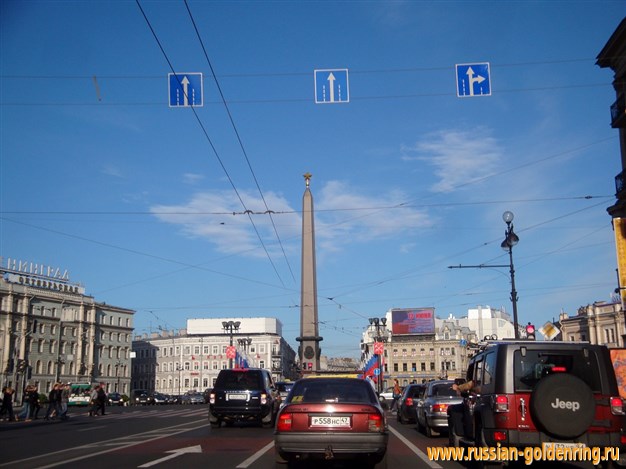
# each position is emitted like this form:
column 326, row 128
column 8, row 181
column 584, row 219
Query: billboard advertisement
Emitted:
column 413, row 321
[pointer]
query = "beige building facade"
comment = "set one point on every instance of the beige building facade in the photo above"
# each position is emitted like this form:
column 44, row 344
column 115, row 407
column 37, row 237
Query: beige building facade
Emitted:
column 597, row 323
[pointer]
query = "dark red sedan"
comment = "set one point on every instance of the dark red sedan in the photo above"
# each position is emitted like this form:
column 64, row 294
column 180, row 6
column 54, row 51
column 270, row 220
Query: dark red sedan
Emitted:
column 331, row 418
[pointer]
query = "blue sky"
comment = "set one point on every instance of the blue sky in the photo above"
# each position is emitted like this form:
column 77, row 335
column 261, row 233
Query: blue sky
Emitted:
column 143, row 203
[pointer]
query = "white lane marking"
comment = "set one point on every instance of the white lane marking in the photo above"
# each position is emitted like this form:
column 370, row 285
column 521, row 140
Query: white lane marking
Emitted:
column 415, row 449
column 256, row 455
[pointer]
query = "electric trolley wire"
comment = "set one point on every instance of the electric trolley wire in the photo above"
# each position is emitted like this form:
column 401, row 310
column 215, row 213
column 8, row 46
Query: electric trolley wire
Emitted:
column 215, row 152
column 239, row 140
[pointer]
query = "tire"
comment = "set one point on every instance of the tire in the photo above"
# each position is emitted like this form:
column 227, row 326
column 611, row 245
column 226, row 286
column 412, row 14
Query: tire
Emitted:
column 430, row 433
column 216, row 424
column 562, row 405
column 482, row 443
column 454, row 440
column 420, row 427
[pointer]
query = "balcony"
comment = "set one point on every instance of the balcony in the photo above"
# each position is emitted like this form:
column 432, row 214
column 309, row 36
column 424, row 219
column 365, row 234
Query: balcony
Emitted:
column 619, row 184
column 618, row 112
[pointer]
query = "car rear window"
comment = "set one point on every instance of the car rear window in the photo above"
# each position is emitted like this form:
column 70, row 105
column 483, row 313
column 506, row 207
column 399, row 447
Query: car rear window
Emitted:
column 284, row 387
column 444, row 389
column 237, row 380
column 322, row 390
column 536, row 364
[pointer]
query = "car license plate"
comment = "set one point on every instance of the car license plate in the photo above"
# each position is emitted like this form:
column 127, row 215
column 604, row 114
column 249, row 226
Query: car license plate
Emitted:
column 553, row 445
column 237, row 397
column 334, row 421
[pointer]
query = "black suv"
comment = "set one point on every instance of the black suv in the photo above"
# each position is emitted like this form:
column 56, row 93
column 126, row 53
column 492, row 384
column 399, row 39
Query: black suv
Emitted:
column 243, row 395
column 526, row 393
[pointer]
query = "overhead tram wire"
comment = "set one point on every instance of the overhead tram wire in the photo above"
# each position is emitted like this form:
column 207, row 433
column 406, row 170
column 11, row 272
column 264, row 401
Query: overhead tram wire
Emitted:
column 243, row 150
column 404, row 205
column 215, row 152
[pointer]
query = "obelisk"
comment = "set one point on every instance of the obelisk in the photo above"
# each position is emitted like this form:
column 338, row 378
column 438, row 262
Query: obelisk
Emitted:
column 309, row 349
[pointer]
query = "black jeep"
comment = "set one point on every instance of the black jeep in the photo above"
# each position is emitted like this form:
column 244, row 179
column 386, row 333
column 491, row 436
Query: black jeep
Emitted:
column 243, row 395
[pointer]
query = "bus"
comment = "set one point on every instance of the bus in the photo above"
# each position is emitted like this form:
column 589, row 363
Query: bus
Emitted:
column 79, row 394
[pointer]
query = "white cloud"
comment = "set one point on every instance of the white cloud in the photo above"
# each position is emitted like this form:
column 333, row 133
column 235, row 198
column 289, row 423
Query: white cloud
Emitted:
column 342, row 216
column 113, row 171
column 458, row 156
column 192, row 178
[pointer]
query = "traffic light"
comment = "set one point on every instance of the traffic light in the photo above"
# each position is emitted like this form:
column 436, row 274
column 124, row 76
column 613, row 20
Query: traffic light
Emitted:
column 530, row 331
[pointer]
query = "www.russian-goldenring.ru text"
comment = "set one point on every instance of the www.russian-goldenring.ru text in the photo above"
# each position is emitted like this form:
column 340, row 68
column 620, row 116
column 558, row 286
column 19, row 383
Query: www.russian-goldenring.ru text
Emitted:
column 546, row 452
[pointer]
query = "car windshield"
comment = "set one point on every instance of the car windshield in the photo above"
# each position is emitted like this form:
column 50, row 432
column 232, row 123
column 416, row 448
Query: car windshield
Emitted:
column 235, row 380
column 332, row 390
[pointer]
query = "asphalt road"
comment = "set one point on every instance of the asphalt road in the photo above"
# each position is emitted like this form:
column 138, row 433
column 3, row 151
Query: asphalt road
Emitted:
column 175, row 436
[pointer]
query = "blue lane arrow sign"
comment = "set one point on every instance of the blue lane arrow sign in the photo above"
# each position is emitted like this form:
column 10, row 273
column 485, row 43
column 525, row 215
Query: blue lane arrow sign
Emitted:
column 331, row 86
column 473, row 80
column 185, row 89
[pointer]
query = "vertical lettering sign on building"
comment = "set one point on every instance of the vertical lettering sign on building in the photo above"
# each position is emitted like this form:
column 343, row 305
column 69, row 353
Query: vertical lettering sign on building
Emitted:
column 619, row 227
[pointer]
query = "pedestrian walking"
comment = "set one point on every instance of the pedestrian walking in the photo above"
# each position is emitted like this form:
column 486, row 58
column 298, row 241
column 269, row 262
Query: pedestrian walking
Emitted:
column 65, row 398
column 102, row 398
column 52, row 411
column 396, row 394
column 93, row 401
column 26, row 411
column 35, row 406
column 7, row 403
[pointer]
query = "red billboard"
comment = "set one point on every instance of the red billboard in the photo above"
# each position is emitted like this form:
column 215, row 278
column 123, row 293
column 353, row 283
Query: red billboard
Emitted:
column 413, row 321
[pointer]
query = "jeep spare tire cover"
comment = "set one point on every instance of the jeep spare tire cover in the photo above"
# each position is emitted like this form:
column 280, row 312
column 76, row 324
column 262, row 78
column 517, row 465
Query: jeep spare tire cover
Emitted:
column 562, row 405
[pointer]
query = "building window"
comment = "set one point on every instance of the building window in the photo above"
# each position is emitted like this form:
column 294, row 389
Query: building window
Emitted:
column 261, row 363
column 432, row 366
column 423, row 366
column 404, row 367
column 215, row 349
column 187, row 366
column 395, row 367
column 196, row 350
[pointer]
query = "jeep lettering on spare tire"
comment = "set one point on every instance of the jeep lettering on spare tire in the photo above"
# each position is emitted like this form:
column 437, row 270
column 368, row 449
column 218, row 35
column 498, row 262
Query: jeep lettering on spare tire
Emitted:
column 562, row 405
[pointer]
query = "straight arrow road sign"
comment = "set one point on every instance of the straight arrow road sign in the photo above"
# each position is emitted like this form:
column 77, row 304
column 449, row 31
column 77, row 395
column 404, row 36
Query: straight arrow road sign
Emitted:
column 331, row 86
column 174, row 453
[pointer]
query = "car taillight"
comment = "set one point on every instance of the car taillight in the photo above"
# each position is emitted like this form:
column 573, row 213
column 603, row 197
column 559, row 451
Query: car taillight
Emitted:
column 284, row 422
column 443, row 408
column 622, row 440
column 617, row 406
column 501, row 404
column 263, row 399
column 499, row 435
column 375, row 423
column 409, row 401
column 212, row 398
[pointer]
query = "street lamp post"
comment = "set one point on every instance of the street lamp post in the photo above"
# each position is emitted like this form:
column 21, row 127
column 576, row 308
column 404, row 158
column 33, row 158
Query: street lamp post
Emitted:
column 179, row 368
column 379, row 324
column 510, row 240
column 117, row 374
column 230, row 327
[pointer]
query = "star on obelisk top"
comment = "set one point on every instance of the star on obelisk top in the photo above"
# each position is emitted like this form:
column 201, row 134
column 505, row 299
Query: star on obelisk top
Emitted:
column 307, row 178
